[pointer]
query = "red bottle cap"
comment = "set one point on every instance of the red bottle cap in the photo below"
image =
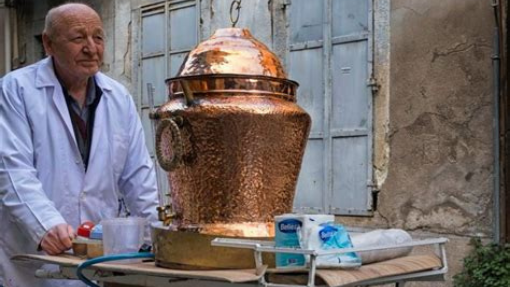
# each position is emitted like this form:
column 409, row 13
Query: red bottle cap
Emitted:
column 85, row 228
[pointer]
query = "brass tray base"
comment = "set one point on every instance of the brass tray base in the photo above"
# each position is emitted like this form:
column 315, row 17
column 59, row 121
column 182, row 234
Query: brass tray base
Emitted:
column 193, row 251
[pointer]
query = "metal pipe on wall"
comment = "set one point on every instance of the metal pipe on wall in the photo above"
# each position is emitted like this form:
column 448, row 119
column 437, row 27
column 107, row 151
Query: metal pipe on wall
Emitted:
column 496, row 130
column 15, row 59
column 7, row 43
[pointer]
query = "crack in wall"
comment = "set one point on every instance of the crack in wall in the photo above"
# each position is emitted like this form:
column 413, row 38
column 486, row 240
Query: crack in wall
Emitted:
column 387, row 221
column 463, row 218
column 454, row 50
column 412, row 10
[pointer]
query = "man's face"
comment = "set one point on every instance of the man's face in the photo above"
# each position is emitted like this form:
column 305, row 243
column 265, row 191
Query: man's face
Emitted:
column 76, row 44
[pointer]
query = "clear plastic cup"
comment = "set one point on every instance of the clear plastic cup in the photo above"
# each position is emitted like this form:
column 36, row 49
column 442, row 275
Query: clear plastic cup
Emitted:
column 123, row 235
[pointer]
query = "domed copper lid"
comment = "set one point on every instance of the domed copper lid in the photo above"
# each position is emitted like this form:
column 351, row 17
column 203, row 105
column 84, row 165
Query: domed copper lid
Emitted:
column 231, row 61
column 232, row 51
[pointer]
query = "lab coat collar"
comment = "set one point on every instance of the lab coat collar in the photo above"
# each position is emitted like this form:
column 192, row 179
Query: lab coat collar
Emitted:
column 46, row 76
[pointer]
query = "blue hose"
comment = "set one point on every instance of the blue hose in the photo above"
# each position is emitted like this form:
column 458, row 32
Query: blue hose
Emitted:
column 106, row 258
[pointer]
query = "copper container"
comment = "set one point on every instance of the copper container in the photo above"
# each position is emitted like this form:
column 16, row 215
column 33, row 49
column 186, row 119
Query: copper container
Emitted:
column 231, row 137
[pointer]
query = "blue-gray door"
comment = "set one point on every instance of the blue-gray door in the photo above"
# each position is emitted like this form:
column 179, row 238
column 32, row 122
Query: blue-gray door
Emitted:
column 168, row 32
column 330, row 55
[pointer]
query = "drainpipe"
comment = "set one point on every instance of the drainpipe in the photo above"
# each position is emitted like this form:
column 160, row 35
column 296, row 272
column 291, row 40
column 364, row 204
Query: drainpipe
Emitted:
column 7, row 35
column 496, row 89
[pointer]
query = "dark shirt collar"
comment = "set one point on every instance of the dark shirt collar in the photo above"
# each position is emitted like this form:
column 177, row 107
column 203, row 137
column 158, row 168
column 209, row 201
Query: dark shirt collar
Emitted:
column 91, row 92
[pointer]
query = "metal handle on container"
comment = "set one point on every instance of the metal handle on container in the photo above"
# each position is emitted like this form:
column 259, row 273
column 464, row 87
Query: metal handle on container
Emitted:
column 176, row 145
column 188, row 93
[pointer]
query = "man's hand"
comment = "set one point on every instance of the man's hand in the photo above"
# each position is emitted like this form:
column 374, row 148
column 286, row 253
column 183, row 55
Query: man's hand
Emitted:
column 58, row 239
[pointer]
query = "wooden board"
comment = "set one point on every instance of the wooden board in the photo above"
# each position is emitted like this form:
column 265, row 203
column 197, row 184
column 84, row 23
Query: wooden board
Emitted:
column 347, row 277
column 150, row 269
column 407, row 265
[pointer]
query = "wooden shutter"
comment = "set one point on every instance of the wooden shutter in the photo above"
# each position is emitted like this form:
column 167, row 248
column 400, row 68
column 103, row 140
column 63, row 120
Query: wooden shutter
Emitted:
column 330, row 55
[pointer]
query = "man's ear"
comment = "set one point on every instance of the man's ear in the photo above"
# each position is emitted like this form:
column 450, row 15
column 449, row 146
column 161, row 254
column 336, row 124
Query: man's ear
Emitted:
column 47, row 44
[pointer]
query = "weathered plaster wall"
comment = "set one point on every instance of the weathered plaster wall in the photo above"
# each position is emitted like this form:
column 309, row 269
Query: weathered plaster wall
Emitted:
column 437, row 179
column 440, row 176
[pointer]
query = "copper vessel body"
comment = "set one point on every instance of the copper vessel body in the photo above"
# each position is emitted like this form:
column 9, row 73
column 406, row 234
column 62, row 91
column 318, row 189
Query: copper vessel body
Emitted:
column 235, row 138
column 242, row 156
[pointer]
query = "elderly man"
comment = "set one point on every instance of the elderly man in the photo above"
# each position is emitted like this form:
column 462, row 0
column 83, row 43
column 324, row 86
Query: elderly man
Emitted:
column 71, row 146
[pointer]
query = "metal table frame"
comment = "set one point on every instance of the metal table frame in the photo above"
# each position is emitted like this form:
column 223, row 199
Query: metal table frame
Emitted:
column 268, row 246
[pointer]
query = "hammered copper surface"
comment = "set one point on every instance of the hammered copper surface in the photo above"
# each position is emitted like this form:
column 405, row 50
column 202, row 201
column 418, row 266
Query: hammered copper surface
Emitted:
column 242, row 156
column 232, row 51
column 191, row 250
column 243, row 136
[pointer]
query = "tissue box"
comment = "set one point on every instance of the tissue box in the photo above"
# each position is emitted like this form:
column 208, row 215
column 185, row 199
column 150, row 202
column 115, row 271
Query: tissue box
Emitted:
column 287, row 227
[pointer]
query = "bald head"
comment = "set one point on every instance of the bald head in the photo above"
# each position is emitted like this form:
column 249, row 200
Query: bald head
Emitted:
column 73, row 36
column 57, row 16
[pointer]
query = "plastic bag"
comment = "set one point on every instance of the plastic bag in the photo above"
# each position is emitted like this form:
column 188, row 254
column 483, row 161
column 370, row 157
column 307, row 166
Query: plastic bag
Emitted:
column 329, row 236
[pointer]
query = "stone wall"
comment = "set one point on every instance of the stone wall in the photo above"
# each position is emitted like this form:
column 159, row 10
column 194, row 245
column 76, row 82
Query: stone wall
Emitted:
column 440, row 167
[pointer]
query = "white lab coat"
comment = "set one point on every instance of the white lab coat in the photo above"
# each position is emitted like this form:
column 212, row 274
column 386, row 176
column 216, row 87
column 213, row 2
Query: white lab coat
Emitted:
column 42, row 178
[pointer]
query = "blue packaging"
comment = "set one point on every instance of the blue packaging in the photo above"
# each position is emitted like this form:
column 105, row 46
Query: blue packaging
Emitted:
column 330, row 236
column 288, row 228
column 286, row 236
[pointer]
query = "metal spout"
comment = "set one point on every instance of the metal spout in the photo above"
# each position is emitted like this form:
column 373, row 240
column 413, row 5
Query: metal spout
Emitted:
column 166, row 214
